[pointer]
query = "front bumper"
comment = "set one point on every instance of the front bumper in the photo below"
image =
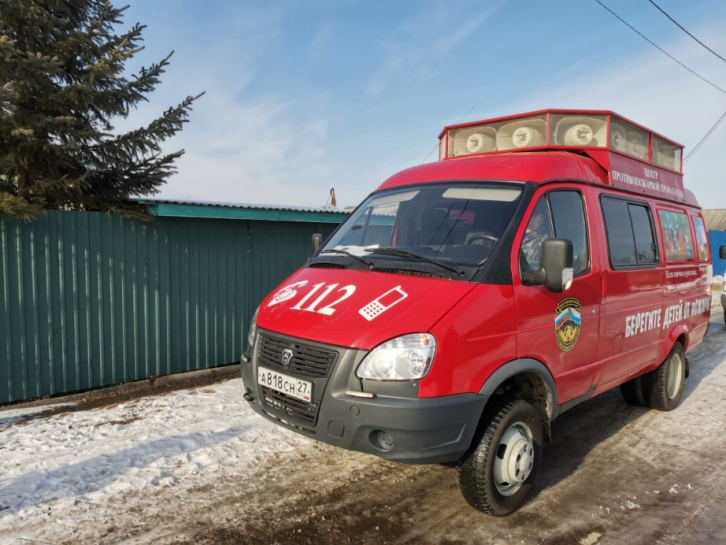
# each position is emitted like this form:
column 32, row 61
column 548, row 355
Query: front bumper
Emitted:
column 394, row 425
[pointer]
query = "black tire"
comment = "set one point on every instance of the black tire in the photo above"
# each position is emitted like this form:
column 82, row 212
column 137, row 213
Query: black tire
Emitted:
column 660, row 393
column 476, row 472
column 632, row 392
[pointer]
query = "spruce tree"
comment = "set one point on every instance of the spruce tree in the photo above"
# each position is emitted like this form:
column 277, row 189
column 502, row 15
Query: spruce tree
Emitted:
column 62, row 86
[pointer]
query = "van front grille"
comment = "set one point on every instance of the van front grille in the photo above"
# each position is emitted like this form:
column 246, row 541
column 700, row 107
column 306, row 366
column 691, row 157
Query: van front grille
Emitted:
column 305, row 361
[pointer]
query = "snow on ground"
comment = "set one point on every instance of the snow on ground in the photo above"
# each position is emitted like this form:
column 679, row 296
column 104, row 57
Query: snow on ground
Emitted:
column 51, row 465
column 105, row 474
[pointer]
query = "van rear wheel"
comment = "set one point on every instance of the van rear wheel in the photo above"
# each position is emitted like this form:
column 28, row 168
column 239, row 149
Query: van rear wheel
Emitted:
column 497, row 475
column 663, row 387
column 632, row 392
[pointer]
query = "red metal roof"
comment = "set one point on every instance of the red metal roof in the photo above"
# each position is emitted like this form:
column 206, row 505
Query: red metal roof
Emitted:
column 519, row 166
column 536, row 166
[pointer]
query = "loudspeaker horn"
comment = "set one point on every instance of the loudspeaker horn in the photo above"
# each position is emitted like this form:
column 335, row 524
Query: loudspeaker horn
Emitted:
column 636, row 145
column 527, row 133
column 474, row 140
column 580, row 131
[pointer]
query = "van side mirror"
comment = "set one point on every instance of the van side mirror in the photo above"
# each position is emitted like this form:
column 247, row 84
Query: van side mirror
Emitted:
column 556, row 266
column 317, row 242
column 722, row 252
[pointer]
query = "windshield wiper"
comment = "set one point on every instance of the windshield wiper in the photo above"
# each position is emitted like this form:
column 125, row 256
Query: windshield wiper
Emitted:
column 410, row 255
column 357, row 257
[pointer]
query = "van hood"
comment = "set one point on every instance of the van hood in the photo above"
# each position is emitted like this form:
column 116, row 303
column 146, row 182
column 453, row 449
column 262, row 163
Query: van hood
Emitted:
column 357, row 309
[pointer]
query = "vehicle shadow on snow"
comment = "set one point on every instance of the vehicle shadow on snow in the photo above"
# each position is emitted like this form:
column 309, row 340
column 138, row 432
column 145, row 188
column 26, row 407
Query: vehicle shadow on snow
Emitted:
column 91, row 475
column 426, row 507
column 584, row 427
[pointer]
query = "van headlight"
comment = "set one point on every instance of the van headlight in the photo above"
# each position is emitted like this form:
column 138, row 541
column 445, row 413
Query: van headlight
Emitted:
column 253, row 329
column 404, row 358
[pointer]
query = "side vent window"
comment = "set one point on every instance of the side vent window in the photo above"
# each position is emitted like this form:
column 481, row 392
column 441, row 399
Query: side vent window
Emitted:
column 645, row 245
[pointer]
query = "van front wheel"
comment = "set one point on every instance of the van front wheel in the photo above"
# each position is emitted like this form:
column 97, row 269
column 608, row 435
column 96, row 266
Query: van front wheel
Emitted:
column 663, row 387
column 497, row 475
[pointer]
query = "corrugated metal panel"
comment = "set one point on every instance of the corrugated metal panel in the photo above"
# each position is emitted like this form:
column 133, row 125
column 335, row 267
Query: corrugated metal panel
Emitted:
column 715, row 219
column 89, row 300
column 226, row 210
column 223, row 204
column 717, row 239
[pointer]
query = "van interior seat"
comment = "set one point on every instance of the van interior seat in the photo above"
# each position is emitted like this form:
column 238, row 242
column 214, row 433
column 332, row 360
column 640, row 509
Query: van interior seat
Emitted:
column 435, row 227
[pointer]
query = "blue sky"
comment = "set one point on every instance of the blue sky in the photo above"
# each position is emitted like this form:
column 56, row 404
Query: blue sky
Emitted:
column 302, row 96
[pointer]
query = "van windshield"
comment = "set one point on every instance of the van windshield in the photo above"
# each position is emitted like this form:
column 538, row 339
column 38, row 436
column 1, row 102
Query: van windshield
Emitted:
column 454, row 223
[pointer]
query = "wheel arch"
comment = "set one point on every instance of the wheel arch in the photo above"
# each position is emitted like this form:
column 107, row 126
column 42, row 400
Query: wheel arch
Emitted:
column 532, row 378
column 677, row 334
column 683, row 339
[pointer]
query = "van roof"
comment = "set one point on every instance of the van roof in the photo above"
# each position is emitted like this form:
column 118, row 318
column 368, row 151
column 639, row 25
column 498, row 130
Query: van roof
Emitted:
column 539, row 167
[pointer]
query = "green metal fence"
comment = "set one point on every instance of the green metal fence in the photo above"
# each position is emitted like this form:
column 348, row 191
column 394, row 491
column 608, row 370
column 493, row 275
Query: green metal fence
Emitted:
column 88, row 299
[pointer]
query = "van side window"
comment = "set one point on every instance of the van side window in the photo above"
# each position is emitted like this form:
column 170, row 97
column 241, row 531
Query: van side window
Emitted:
column 701, row 238
column 568, row 217
column 629, row 228
column 645, row 245
column 558, row 214
column 677, row 237
column 538, row 230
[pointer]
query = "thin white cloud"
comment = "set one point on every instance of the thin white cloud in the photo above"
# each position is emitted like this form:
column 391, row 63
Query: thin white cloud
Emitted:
column 424, row 40
column 321, row 43
column 253, row 152
column 280, row 149
column 239, row 147
column 652, row 90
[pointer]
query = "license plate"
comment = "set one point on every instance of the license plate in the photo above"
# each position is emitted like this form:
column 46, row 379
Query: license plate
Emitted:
column 299, row 389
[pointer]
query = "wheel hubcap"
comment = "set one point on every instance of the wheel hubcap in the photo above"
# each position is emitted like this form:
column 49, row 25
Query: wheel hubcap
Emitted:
column 514, row 459
column 675, row 376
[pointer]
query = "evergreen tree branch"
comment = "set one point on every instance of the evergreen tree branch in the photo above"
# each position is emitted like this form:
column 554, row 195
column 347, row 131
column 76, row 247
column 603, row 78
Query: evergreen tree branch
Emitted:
column 17, row 208
column 62, row 85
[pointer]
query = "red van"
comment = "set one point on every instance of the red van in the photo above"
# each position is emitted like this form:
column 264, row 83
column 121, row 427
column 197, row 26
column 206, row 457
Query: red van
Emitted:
column 465, row 304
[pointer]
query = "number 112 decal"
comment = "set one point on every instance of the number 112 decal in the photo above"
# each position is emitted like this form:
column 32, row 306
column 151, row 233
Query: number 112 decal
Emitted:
column 329, row 309
column 314, row 300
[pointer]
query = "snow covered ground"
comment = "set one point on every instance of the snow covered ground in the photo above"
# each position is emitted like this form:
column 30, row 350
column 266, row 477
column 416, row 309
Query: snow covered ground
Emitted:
column 59, row 472
column 197, row 465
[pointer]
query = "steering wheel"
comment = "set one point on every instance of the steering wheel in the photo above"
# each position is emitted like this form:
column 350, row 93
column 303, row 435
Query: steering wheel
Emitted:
column 482, row 237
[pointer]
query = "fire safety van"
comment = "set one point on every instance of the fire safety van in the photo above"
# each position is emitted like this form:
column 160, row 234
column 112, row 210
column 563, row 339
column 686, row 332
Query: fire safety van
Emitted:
column 544, row 259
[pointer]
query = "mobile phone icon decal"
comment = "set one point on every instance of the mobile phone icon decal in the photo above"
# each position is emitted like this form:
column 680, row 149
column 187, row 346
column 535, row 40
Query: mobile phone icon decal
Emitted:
column 383, row 303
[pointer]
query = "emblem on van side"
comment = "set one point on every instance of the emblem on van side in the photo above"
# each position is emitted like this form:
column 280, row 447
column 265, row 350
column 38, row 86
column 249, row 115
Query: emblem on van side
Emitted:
column 568, row 323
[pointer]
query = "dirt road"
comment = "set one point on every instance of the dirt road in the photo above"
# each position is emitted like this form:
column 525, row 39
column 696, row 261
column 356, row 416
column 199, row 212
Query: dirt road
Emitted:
column 612, row 474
